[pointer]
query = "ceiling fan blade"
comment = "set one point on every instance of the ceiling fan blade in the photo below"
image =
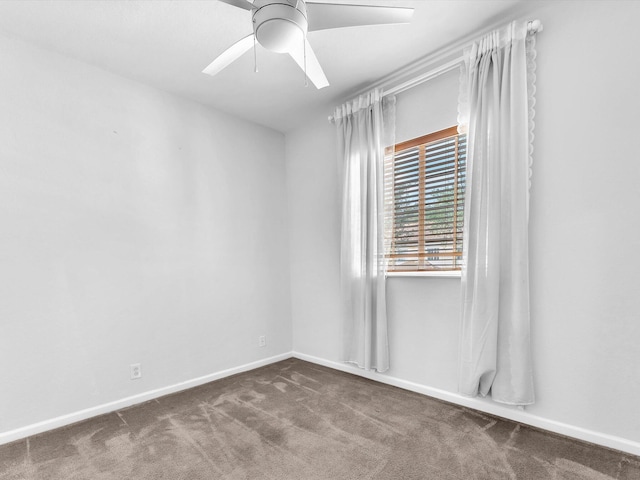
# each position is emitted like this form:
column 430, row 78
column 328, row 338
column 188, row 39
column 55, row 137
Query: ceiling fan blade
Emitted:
column 323, row 16
column 313, row 68
column 240, row 4
column 232, row 53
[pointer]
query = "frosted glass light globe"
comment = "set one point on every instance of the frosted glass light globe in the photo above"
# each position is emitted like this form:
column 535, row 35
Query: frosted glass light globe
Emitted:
column 280, row 26
column 279, row 35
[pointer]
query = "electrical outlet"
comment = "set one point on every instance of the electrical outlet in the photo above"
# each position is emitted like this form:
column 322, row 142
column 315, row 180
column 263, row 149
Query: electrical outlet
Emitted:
column 136, row 370
column 262, row 341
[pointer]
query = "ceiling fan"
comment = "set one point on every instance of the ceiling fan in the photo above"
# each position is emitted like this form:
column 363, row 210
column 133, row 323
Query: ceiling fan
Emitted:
column 282, row 25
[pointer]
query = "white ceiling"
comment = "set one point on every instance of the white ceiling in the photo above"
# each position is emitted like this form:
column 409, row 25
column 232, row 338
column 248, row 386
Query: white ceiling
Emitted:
column 167, row 43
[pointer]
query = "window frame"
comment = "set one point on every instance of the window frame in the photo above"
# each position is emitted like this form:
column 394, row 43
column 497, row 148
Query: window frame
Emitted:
column 422, row 142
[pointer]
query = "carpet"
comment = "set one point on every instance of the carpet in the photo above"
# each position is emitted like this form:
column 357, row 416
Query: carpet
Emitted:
column 297, row 420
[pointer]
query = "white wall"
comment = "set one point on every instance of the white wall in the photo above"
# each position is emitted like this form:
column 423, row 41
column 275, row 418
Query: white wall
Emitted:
column 584, row 233
column 135, row 227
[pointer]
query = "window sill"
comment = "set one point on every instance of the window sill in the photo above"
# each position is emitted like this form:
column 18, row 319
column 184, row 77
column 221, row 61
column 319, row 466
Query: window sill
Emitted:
column 454, row 274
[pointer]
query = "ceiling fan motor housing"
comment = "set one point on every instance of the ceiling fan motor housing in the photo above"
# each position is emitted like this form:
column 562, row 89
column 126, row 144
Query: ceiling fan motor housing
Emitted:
column 279, row 25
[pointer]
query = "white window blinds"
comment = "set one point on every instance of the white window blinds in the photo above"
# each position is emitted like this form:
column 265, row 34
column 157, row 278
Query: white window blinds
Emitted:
column 424, row 202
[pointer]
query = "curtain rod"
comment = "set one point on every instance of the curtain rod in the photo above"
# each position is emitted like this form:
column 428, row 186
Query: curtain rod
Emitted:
column 425, row 77
column 533, row 27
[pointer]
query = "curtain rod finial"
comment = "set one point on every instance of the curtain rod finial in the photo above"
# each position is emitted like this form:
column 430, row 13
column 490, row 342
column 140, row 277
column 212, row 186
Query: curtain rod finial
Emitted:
column 535, row 26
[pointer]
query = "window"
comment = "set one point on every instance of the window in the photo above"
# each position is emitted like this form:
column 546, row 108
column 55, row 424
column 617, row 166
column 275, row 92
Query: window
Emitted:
column 424, row 203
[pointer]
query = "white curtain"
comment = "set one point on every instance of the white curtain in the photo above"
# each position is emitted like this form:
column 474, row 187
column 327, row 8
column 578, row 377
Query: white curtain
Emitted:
column 496, row 110
column 365, row 127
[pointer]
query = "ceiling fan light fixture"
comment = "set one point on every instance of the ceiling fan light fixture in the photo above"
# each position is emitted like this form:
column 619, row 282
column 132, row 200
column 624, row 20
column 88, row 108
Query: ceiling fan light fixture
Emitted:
column 279, row 35
column 279, row 27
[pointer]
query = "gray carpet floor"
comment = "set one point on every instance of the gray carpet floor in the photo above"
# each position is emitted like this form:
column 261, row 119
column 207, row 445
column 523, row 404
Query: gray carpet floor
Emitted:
column 297, row 420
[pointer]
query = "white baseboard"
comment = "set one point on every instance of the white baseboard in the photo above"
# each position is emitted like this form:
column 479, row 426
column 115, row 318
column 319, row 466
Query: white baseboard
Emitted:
column 61, row 421
column 511, row 413
column 515, row 414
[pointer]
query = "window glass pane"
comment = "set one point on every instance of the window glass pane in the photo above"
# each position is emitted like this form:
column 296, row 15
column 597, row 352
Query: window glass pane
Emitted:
column 424, row 202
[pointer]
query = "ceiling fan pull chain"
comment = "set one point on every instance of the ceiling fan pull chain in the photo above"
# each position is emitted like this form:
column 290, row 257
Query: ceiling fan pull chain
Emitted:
column 255, row 56
column 304, row 49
